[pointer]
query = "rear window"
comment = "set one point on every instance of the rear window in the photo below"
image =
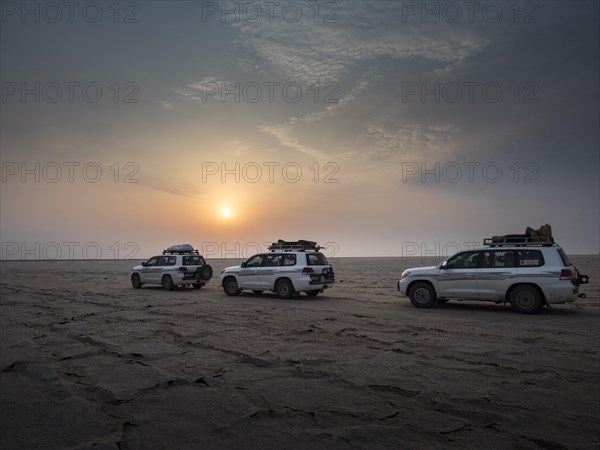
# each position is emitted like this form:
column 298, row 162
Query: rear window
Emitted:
column 530, row 258
column 316, row 259
column 193, row 260
column 564, row 257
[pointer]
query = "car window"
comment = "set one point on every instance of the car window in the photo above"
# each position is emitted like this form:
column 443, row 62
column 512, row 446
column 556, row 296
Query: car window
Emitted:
column 465, row 260
column 193, row 260
column 498, row 258
column 161, row 261
column 530, row 258
column 272, row 260
column 171, row 261
column 316, row 259
column 289, row 259
column 152, row 261
column 255, row 261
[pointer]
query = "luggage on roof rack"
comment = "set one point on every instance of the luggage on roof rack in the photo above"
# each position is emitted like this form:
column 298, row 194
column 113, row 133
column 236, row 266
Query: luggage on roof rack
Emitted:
column 300, row 245
column 541, row 236
column 181, row 249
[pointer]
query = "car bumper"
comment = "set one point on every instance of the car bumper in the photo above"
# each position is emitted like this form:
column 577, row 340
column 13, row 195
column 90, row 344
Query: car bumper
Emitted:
column 403, row 286
column 311, row 285
column 564, row 292
column 190, row 278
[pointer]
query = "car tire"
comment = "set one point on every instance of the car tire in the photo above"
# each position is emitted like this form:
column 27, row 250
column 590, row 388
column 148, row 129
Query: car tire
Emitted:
column 312, row 293
column 284, row 289
column 230, row 287
column 526, row 300
column 197, row 285
column 167, row 283
column 136, row 281
column 205, row 272
column 422, row 295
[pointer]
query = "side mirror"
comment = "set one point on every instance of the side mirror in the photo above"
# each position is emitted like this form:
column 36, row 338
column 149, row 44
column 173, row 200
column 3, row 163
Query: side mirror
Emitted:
column 244, row 264
column 144, row 264
column 444, row 265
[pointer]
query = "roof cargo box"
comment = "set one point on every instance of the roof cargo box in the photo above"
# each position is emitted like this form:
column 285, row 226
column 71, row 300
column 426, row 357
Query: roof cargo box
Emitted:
column 539, row 236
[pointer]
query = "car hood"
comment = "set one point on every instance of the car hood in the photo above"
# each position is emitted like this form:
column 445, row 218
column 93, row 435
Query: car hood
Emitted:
column 422, row 270
column 140, row 267
column 232, row 268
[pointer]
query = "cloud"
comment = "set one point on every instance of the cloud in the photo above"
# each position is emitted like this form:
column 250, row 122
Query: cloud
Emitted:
column 203, row 89
column 166, row 104
column 312, row 52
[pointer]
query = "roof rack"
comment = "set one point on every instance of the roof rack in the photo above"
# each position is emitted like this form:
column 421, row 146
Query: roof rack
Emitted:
column 519, row 241
column 181, row 249
column 298, row 246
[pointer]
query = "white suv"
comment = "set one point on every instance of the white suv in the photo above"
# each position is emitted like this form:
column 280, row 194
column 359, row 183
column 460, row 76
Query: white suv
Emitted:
column 179, row 265
column 289, row 267
column 528, row 276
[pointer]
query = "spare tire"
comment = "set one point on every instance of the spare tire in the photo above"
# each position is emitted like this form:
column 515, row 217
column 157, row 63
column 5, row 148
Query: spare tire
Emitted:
column 205, row 272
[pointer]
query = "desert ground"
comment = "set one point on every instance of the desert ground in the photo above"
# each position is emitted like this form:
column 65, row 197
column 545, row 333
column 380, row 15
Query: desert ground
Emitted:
column 88, row 362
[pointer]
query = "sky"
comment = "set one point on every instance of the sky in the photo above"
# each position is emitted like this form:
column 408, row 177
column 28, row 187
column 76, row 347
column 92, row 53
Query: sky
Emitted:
column 375, row 128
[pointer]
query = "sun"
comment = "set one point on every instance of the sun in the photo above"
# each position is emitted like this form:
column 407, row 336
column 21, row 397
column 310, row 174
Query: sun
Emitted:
column 226, row 212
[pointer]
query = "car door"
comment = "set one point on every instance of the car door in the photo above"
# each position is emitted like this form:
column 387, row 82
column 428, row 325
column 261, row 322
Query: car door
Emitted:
column 458, row 276
column 270, row 270
column 496, row 274
column 149, row 271
column 161, row 269
column 249, row 274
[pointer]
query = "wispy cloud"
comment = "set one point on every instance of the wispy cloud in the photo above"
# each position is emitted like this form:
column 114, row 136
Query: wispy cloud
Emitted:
column 312, row 52
column 166, row 104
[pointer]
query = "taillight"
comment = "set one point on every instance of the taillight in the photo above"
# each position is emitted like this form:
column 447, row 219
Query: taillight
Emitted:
column 307, row 271
column 182, row 269
column 566, row 274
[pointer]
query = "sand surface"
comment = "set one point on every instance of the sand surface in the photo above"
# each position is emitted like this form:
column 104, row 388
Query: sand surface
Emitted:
column 88, row 362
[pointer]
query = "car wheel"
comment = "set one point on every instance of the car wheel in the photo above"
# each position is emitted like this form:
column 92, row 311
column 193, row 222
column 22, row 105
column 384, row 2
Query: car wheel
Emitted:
column 206, row 272
column 197, row 285
column 312, row 293
column 284, row 289
column 230, row 287
column 136, row 282
column 422, row 295
column 167, row 283
column 526, row 299
column 257, row 291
